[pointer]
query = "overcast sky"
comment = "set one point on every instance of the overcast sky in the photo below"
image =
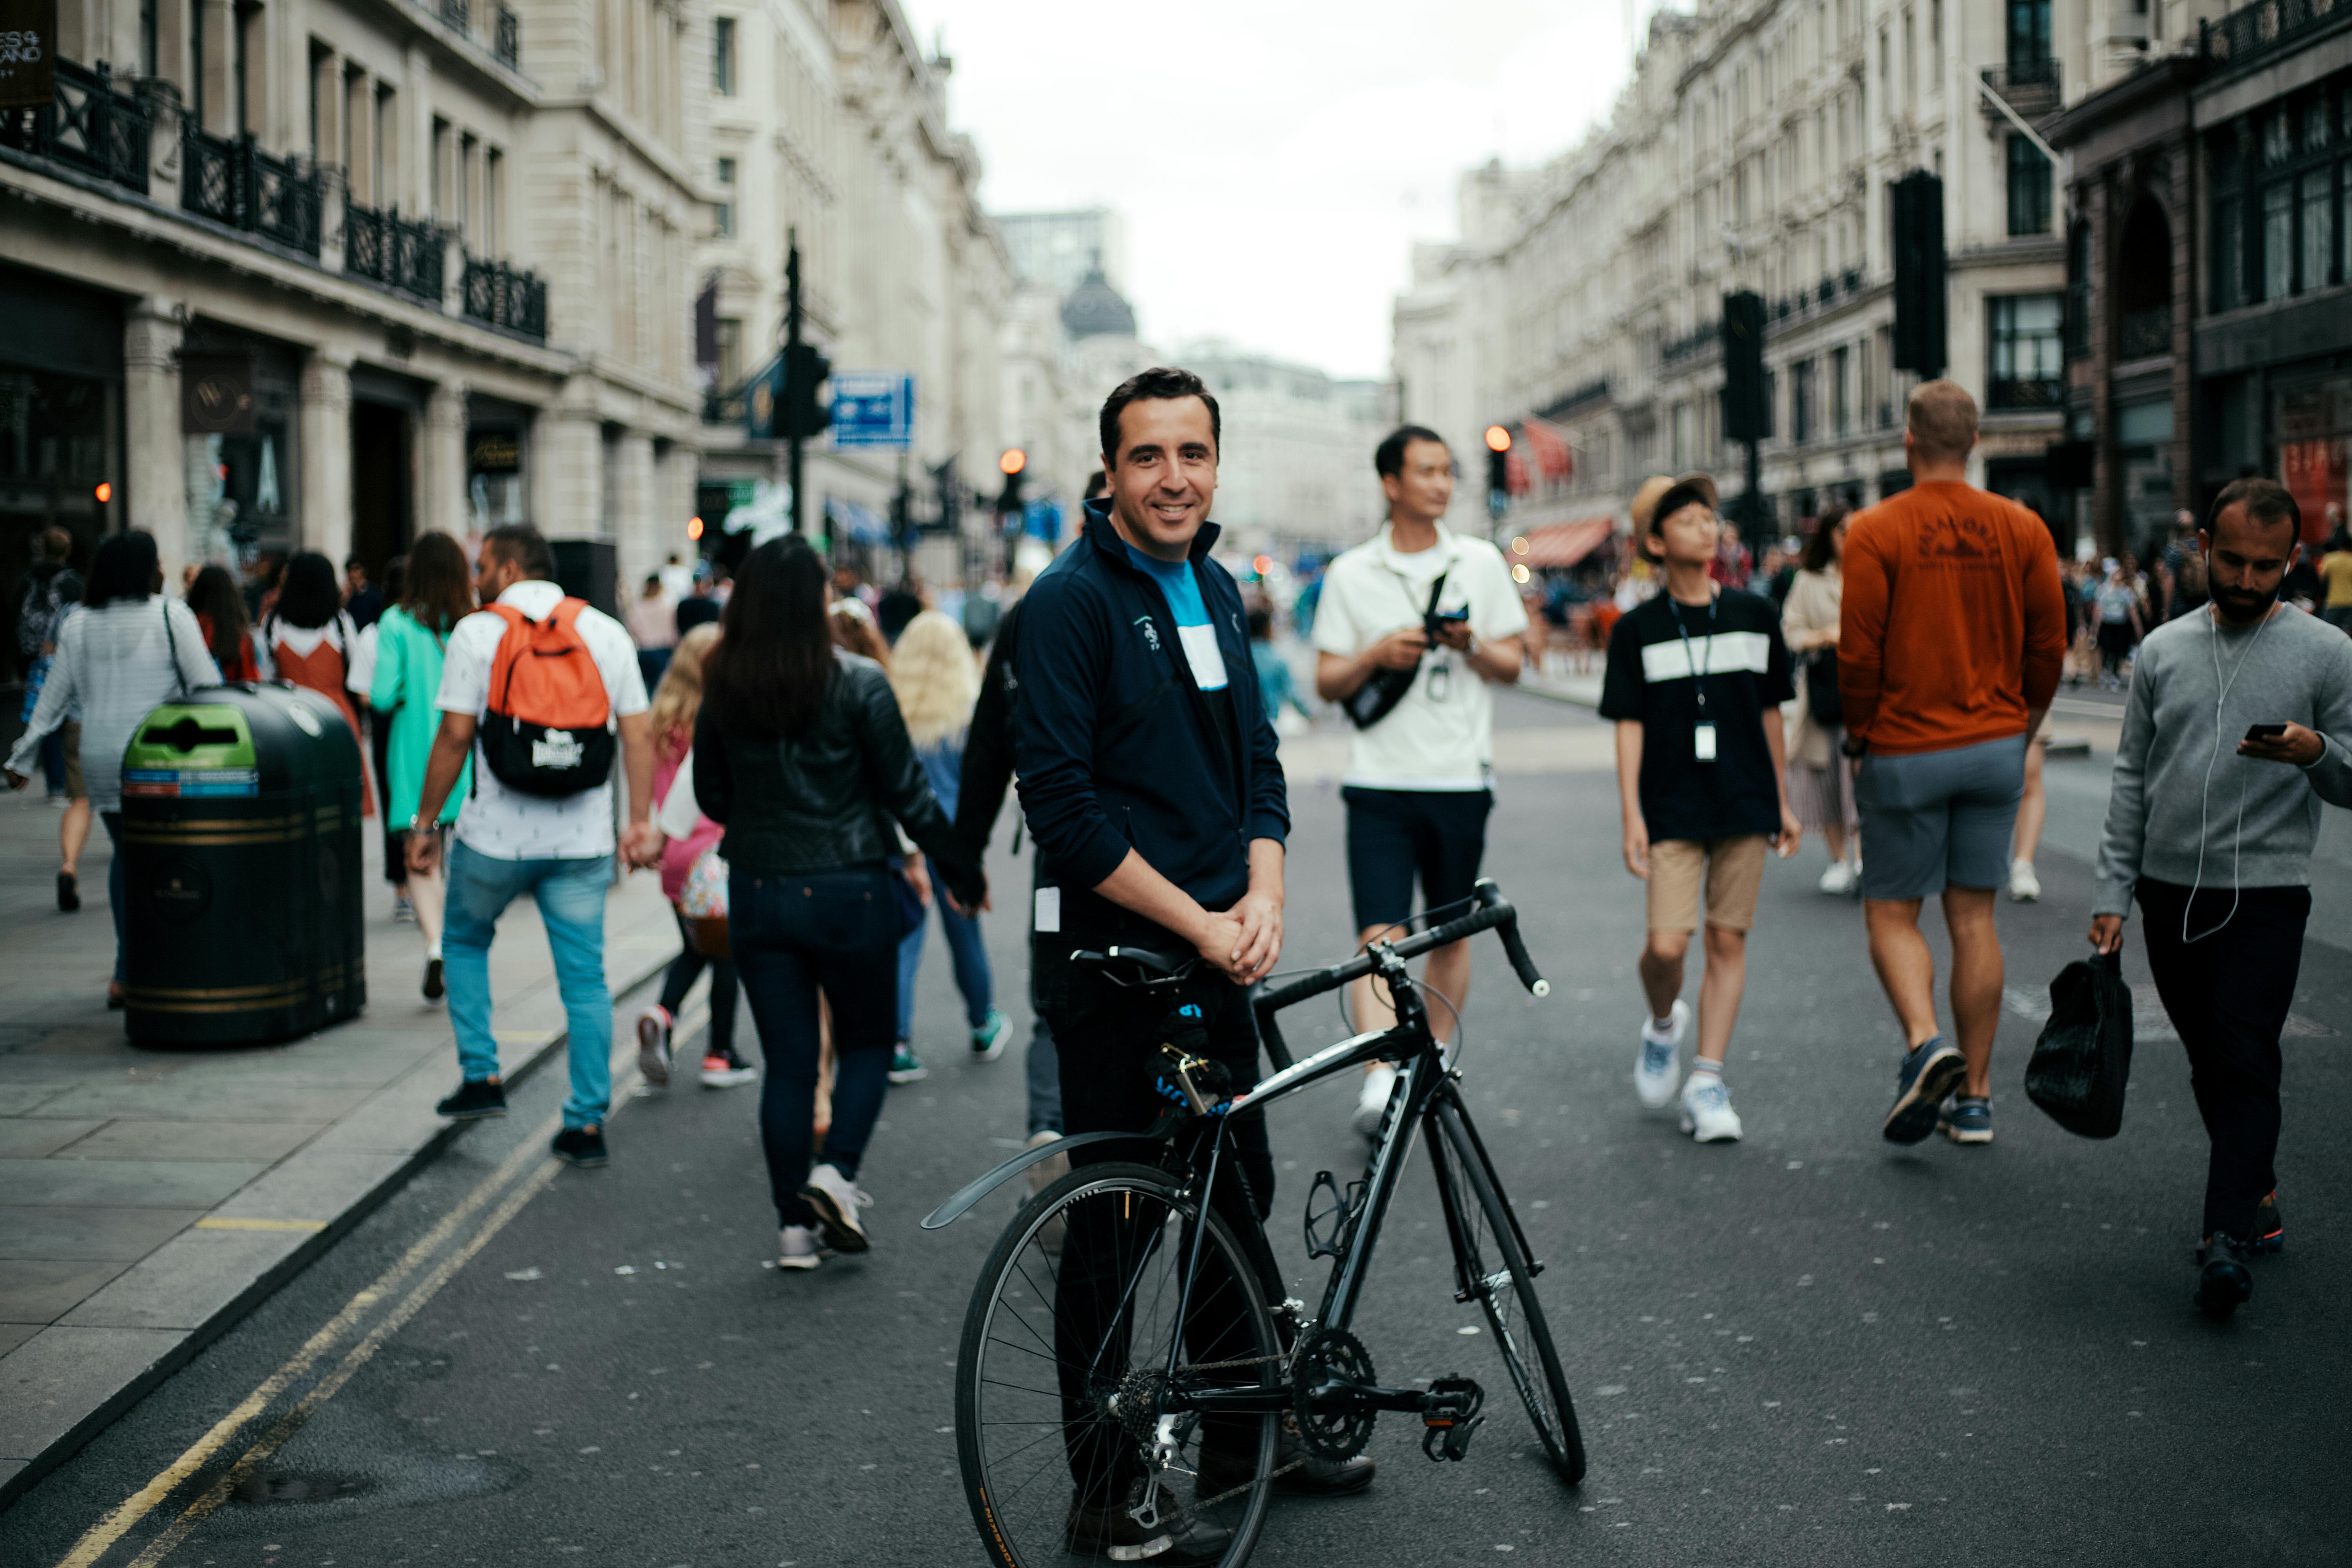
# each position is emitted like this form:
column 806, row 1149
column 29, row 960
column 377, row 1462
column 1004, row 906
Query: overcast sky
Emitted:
column 1273, row 158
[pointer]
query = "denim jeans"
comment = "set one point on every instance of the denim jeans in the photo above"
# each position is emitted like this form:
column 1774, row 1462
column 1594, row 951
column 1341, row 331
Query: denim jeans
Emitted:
column 971, row 972
column 571, row 898
column 113, row 820
column 794, row 936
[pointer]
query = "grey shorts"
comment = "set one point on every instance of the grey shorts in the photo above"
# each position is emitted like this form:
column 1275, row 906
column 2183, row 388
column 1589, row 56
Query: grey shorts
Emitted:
column 1935, row 819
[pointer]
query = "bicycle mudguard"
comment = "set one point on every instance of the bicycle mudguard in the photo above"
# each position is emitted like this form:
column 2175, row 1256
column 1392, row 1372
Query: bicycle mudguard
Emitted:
column 947, row 1213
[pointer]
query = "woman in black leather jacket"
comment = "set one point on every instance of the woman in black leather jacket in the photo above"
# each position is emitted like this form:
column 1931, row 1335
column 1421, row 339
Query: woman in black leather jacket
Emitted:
column 801, row 754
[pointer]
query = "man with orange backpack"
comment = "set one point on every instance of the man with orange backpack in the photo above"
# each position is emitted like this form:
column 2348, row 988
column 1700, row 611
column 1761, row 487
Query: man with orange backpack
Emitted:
column 542, row 685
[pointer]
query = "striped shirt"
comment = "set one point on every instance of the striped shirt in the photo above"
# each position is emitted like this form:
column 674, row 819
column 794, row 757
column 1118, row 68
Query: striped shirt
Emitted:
column 117, row 662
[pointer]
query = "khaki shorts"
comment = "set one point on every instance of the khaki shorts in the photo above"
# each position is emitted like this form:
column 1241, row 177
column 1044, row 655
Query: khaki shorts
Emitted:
column 69, row 742
column 1733, row 869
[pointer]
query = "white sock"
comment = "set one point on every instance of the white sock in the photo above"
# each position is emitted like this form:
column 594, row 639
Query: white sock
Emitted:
column 434, row 951
column 1703, row 1067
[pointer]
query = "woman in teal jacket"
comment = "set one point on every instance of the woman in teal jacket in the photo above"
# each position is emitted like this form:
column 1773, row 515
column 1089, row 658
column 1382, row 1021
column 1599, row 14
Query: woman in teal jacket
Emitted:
column 410, row 639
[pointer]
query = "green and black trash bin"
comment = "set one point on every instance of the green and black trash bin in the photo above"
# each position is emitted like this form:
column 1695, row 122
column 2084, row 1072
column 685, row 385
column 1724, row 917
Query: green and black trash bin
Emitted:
column 241, row 871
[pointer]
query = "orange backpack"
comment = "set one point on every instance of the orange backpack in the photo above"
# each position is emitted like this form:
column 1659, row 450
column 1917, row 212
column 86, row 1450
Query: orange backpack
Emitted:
column 548, row 730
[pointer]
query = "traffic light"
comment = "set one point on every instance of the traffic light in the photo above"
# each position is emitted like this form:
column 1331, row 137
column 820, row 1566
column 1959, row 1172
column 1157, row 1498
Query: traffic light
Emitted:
column 1499, row 469
column 804, row 411
column 1747, row 398
column 1917, row 225
column 1014, row 465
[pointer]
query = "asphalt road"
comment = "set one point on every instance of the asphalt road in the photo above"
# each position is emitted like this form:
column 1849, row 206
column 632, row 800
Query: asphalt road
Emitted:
column 1806, row 1347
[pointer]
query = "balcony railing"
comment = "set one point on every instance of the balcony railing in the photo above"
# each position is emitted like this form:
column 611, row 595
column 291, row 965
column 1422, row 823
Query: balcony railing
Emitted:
column 397, row 252
column 2145, row 334
column 1691, row 344
column 2030, row 86
column 504, row 296
column 2264, row 27
column 456, row 12
column 88, row 125
column 506, row 39
column 2020, row 397
column 232, row 182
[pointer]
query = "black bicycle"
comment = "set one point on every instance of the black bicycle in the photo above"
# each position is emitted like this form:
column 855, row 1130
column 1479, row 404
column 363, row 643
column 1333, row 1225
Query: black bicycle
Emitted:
column 1130, row 1360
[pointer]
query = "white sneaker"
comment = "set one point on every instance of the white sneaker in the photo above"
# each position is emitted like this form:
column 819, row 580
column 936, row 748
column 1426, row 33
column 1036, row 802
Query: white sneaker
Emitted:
column 1838, row 880
column 2024, row 887
column 837, row 1201
column 800, row 1248
column 1372, row 1104
column 1707, row 1115
column 653, row 1045
column 1658, row 1069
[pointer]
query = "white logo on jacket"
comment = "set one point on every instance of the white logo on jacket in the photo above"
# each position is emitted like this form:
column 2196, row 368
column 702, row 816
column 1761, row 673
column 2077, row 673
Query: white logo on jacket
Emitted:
column 1150, row 632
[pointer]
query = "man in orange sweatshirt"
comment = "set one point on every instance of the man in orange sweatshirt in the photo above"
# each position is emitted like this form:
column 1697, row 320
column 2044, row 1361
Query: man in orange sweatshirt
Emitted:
column 1949, row 645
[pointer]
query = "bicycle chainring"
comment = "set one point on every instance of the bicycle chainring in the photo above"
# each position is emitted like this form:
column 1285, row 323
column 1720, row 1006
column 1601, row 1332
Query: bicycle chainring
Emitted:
column 1331, row 1356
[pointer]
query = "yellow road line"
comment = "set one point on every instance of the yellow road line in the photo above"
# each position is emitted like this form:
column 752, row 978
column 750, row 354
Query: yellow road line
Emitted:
column 236, row 1222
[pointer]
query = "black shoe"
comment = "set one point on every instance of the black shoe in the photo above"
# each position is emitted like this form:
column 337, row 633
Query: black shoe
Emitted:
column 434, row 989
column 2270, row 1230
column 476, row 1099
column 1221, row 1471
column 582, row 1146
column 1111, row 1530
column 69, row 895
column 2225, row 1283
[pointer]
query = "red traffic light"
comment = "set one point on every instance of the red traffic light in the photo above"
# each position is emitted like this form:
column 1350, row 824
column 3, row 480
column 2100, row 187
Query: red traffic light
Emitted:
column 1012, row 462
column 1498, row 438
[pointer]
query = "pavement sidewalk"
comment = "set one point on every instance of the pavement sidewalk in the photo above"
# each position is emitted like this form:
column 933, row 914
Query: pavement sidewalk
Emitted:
column 149, row 1198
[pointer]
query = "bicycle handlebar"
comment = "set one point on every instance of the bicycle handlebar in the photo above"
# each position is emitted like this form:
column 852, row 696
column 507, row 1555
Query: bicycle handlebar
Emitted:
column 1494, row 913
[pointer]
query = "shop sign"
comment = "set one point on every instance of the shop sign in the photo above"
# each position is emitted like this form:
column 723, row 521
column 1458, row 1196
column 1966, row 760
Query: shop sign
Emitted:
column 873, row 408
column 28, row 71
column 495, row 452
column 216, row 394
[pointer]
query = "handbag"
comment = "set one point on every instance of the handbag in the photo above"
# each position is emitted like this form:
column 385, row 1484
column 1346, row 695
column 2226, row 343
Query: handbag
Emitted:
column 2081, row 1062
column 1377, row 698
column 703, row 902
column 1823, row 703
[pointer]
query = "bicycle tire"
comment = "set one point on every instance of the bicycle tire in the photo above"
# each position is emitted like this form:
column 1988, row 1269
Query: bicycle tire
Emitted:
column 1020, row 1530
column 1546, row 1397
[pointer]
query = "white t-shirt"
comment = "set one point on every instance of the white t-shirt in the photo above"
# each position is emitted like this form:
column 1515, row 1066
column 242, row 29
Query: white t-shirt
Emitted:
column 1442, row 735
column 505, row 824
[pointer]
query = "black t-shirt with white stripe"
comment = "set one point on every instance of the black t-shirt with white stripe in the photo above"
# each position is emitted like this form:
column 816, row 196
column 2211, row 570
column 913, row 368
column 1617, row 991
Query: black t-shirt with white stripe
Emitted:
column 1655, row 669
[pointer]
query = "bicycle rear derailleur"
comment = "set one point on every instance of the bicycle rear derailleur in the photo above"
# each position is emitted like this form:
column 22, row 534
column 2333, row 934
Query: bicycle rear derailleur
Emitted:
column 1335, row 1401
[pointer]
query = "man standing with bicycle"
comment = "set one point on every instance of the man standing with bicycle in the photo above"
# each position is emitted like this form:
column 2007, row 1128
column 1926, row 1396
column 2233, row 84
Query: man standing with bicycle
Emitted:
column 1149, row 781
column 1420, row 781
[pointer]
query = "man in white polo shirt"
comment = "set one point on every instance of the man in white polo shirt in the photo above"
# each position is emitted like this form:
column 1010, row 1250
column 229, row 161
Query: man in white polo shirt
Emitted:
column 1420, row 777
column 556, row 848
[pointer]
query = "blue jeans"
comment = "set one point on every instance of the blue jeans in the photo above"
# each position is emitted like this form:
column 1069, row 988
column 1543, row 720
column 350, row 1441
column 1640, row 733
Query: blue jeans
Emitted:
column 971, row 972
column 571, row 898
column 795, row 936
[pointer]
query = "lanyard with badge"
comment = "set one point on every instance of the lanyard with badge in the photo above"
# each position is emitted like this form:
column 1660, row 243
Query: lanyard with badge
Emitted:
column 1703, row 732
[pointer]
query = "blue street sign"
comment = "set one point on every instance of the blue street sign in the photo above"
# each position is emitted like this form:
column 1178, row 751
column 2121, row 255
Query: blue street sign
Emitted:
column 873, row 408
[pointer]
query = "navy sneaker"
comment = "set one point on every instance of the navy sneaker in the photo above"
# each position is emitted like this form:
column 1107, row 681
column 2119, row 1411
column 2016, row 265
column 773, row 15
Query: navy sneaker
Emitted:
column 1928, row 1073
column 581, row 1146
column 476, row 1099
column 2223, row 1281
column 1966, row 1119
column 2269, row 1231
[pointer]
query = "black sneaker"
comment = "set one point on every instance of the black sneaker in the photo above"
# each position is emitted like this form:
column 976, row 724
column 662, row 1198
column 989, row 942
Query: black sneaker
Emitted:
column 2270, row 1230
column 2224, row 1283
column 1112, row 1531
column 68, row 893
column 434, row 987
column 476, row 1099
column 1302, row 1474
column 582, row 1146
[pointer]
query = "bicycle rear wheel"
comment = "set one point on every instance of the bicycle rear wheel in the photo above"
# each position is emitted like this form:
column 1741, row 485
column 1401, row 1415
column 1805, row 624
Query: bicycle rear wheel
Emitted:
column 1066, row 1452
column 1494, row 1272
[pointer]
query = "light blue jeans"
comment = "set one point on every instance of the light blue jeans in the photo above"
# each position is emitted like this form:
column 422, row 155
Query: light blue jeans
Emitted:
column 571, row 898
column 972, row 975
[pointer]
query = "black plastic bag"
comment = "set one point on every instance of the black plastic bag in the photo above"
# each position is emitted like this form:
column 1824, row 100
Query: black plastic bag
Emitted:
column 2083, row 1060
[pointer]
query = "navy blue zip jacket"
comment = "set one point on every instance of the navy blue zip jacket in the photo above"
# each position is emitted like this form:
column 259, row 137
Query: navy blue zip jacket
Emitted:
column 1118, row 749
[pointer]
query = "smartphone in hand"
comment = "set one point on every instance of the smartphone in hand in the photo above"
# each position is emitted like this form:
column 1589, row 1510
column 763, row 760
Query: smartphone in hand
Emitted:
column 2265, row 732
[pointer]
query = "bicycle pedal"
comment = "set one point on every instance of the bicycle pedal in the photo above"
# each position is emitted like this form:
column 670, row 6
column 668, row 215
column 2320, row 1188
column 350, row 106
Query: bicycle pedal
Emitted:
column 1450, row 1440
column 1450, row 1417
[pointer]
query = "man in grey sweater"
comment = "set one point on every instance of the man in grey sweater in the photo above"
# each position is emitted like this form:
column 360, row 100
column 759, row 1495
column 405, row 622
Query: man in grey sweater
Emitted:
column 2236, row 730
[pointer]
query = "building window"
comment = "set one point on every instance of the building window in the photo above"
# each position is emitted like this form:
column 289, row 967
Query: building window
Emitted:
column 2029, row 188
column 149, row 44
column 722, row 56
column 2028, row 36
column 1801, row 402
column 2027, row 358
column 494, row 175
column 2318, row 228
column 2278, row 240
column 726, row 198
column 1841, row 393
column 729, row 338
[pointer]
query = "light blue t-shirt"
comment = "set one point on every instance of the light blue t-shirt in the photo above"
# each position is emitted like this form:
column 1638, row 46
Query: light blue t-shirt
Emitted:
column 1193, row 628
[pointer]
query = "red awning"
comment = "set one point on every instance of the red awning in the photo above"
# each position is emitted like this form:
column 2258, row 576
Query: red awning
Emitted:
column 1561, row 544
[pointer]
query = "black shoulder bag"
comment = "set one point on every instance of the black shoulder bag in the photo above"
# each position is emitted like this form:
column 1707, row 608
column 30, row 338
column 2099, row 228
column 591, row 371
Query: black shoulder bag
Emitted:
column 1377, row 698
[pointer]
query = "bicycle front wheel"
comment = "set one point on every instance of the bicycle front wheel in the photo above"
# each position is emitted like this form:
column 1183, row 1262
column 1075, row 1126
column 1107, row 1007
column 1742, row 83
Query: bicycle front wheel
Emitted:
column 1494, row 1269
column 1075, row 1438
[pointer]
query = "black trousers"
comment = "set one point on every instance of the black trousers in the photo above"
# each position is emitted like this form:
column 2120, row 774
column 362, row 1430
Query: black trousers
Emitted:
column 685, row 968
column 2227, row 995
column 1109, row 1039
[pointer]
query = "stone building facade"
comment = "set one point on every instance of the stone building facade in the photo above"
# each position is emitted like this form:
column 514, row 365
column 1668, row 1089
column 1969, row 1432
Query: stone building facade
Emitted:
column 1754, row 149
column 305, row 274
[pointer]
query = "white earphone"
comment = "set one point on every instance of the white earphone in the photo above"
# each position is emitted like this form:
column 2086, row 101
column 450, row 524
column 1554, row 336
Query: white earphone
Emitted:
column 2238, row 846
